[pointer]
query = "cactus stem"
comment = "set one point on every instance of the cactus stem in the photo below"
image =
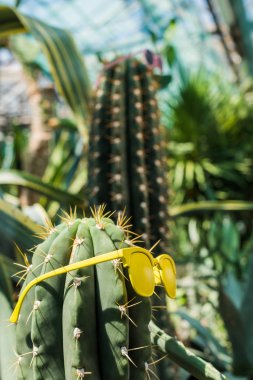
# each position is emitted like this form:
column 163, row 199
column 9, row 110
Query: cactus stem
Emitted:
column 124, row 352
column 81, row 374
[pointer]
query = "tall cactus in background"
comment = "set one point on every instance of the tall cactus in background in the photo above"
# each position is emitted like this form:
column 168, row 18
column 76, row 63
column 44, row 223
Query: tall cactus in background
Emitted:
column 127, row 166
column 127, row 160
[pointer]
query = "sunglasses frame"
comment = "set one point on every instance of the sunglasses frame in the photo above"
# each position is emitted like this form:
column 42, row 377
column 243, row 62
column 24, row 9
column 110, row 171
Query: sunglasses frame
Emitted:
column 125, row 254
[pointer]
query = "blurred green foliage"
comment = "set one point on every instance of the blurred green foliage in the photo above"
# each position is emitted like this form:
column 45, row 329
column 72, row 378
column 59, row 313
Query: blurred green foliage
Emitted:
column 210, row 142
column 210, row 160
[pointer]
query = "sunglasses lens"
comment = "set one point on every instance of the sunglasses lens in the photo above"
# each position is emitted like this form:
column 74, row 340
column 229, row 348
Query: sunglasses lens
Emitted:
column 141, row 274
column 168, row 274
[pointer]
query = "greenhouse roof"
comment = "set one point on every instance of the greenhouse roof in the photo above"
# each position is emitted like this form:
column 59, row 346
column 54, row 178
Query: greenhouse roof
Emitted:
column 121, row 26
column 107, row 28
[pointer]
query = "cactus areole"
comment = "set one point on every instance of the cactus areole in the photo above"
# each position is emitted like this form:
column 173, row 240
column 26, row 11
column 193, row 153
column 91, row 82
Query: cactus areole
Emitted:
column 89, row 321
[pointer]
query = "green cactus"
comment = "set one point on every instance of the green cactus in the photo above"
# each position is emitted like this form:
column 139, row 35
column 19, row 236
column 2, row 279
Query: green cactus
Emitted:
column 88, row 321
column 127, row 166
column 180, row 355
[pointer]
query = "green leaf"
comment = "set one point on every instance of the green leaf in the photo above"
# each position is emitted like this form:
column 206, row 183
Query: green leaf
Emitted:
column 207, row 206
column 189, row 173
column 17, row 227
column 18, row 178
column 194, row 232
column 7, row 341
column 7, row 331
column 230, row 310
column 163, row 80
column 65, row 61
column 213, row 236
column 200, row 176
column 211, row 342
column 230, row 243
column 170, row 54
column 247, row 307
column 179, row 174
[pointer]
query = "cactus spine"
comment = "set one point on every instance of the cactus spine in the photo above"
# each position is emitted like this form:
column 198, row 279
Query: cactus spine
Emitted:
column 127, row 165
column 80, row 325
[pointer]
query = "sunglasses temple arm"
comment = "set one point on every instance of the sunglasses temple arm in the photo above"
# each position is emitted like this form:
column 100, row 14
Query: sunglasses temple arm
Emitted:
column 65, row 269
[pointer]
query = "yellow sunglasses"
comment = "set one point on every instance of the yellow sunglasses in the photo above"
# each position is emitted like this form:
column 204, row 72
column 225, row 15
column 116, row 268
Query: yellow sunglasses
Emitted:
column 145, row 272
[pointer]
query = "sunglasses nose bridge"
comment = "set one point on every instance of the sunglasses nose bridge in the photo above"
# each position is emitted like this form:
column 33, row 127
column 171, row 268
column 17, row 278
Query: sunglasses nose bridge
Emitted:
column 157, row 274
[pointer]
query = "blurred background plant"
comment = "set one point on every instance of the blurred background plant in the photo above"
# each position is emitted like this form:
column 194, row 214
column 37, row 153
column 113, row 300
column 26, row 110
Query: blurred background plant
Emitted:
column 206, row 99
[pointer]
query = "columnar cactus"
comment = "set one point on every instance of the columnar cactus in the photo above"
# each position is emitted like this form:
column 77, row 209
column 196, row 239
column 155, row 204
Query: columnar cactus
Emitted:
column 127, row 166
column 85, row 321
column 88, row 322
